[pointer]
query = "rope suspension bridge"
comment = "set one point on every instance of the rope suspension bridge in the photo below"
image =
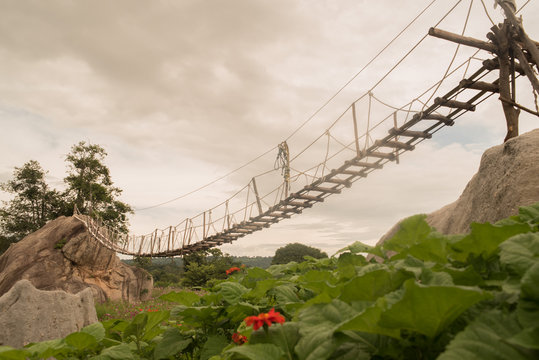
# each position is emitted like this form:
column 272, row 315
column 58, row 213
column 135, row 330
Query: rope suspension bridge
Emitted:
column 511, row 55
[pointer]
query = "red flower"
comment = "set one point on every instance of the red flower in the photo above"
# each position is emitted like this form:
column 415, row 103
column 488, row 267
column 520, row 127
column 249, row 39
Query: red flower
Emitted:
column 239, row 339
column 264, row 318
column 232, row 269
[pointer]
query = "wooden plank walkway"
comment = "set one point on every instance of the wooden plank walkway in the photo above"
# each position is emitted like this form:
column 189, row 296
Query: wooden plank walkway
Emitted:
column 399, row 140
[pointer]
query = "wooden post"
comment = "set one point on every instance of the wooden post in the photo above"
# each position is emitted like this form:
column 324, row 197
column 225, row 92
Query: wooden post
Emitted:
column 531, row 46
column 395, row 125
column 185, row 233
column 500, row 35
column 141, row 242
column 169, row 233
column 356, row 135
column 257, row 196
column 204, row 226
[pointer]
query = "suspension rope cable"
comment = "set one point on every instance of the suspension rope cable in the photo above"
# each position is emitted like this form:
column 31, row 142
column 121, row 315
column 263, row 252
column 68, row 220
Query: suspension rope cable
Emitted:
column 361, row 70
column 452, row 59
column 208, row 184
column 522, row 7
column 486, row 12
column 412, row 49
column 303, row 124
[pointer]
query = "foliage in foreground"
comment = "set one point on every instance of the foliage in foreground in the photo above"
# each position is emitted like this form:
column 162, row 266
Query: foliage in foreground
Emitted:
column 472, row 296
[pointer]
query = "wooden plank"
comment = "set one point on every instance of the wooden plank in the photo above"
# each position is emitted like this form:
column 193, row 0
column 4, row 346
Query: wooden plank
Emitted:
column 240, row 231
column 252, row 227
column 410, row 133
column 346, row 183
column 463, row 40
column 307, row 197
column 394, row 144
column 324, row 189
column 493, row 64
column 454, row 104
column 272, row 221
column 353, row 173
column 480, row 85
column 280, row 215
column 382, row 155
column 447, row 121
column 299, row 204
column 367, row 165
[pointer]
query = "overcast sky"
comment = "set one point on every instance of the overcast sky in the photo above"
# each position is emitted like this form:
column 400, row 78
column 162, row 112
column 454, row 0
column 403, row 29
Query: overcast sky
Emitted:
column 181, row 92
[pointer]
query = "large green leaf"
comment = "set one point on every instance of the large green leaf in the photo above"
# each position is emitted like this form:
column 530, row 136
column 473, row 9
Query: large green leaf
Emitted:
column 367, row 321
column 47, row 349
column 213, row 346
column 241, row 310
column 81, row 341
column 187, row 298
column 358, row 247
column 171, row 344
column 433, row 248
column 285, row 294
column 372, row 285
column 528, row 338
column 520, row 252
column 232, row 291
column 9, row 353
column 317, row 325
column 254, row 275
column 256, row 352
column 119, row 352
column 485, row 338
column 97, row 330
column 528, row 305
column 285, row 336
column 429, row 309
column 260, row 289
column 412, row 230
column 529, row 214
column 316, row 346
column 484, row 240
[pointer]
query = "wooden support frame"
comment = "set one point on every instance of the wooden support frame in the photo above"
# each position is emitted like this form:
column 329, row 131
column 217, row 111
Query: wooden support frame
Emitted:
column 258, row 203
column 531, row 45
column 463, row 40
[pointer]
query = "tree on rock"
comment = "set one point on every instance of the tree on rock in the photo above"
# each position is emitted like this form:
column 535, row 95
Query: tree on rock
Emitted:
column 32, row 206
column 296, row 252
column 90, row 186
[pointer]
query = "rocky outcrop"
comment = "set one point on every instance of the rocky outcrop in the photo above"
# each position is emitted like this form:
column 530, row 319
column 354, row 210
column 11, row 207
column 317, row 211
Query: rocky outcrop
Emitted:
column 507, row 179
column 64, row 256
column 30, row 315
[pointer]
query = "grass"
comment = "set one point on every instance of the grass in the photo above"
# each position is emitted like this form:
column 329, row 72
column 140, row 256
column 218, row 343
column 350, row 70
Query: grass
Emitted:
column 126, row 311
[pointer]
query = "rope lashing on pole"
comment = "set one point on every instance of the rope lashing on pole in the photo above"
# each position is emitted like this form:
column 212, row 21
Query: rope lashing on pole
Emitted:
column 283, row 162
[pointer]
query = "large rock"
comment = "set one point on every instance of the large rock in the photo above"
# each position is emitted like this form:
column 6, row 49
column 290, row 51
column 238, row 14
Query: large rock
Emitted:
column 30, row 315
column 64, row 256
column 507, row 179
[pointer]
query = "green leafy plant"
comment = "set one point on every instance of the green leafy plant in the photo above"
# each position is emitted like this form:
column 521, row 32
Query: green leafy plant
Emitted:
column 429, row 296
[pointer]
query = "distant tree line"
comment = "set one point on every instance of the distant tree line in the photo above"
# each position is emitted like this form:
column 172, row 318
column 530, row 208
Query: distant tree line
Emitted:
column 88, row 186
column 203, row 268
